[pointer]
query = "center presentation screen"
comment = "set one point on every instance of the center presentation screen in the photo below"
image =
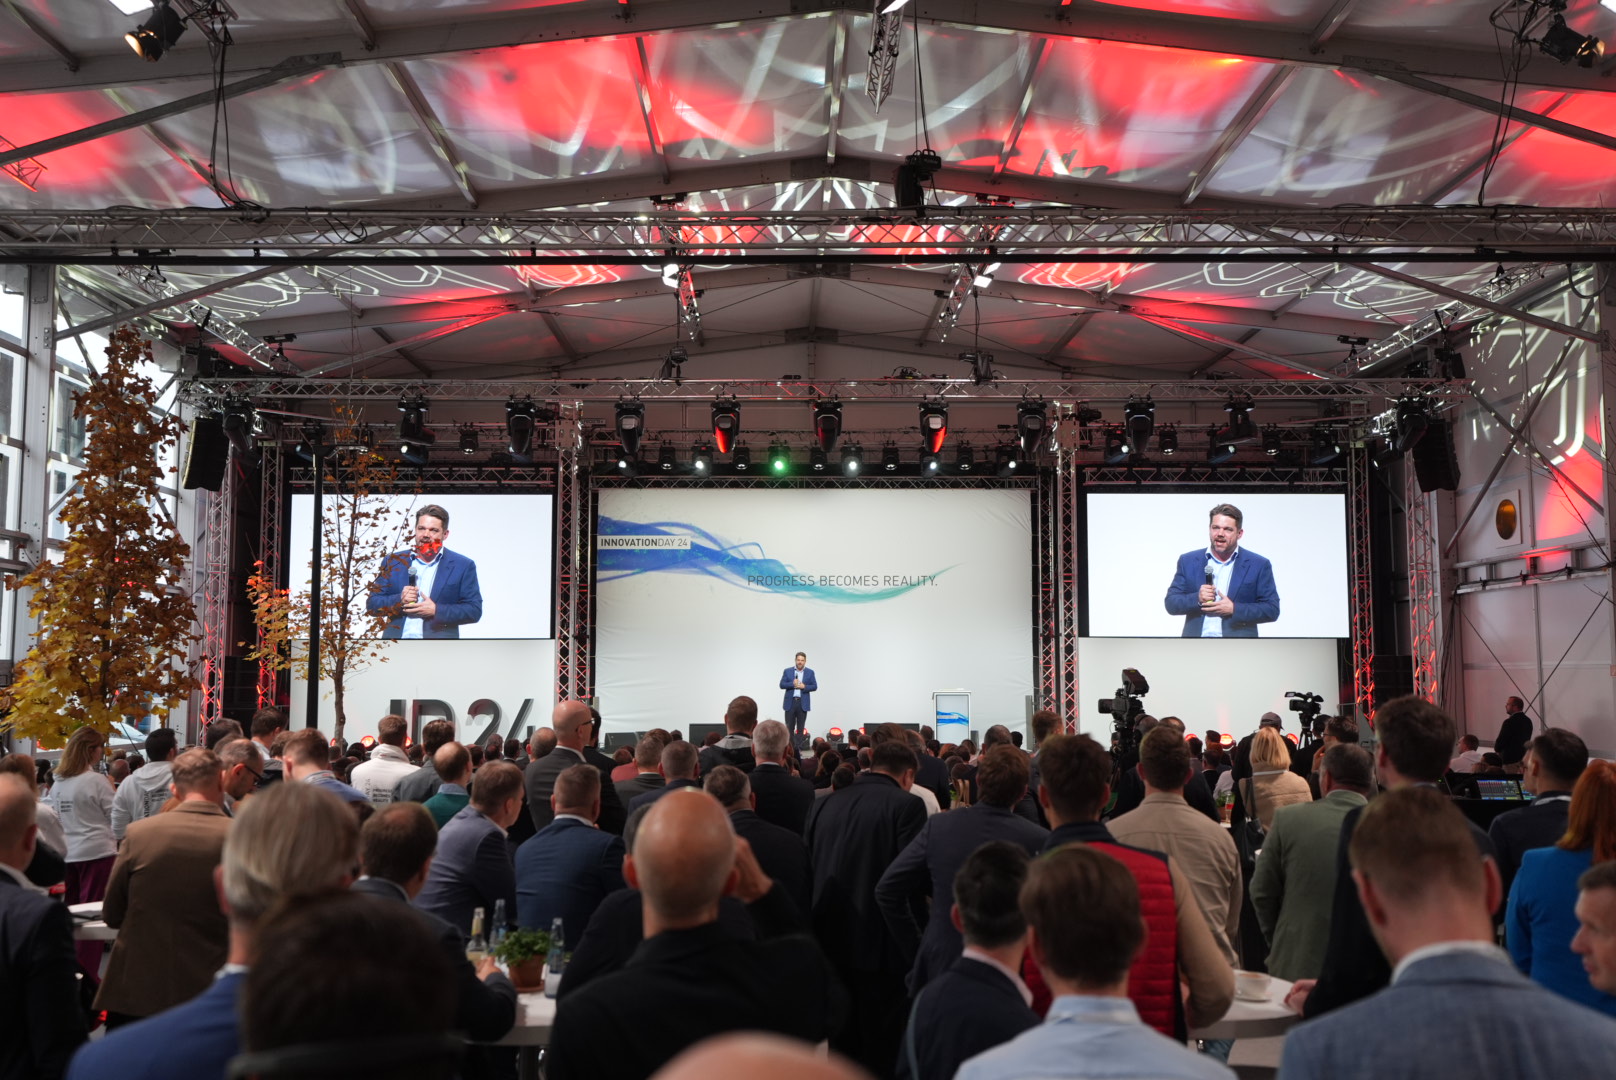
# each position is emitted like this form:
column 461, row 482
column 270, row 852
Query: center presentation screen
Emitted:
column 1280, row 568
column 491, row 579
column 702, row 596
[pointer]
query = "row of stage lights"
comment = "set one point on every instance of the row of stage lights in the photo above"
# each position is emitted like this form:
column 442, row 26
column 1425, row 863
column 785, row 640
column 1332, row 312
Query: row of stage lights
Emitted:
column 1122, row 443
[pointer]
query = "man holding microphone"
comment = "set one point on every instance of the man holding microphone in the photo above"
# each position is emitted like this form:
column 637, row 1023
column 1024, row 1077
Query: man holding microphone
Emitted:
column 799, row 684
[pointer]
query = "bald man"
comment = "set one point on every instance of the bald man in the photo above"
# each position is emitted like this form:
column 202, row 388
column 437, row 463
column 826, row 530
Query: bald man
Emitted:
column 571, row 722
column 746, row 1057
column 692, row 978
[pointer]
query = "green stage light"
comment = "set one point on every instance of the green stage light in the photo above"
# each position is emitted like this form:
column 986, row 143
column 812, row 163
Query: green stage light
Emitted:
column 779, row 459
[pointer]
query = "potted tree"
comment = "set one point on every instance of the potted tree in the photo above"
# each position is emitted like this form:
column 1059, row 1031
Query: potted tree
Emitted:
column 523, row 953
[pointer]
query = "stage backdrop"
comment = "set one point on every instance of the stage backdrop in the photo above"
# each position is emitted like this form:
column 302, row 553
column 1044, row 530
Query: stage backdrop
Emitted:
column 702, row 595
column 1225, row 684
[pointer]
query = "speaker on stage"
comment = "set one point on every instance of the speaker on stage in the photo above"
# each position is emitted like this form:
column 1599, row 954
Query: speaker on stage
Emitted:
column 207, row 455
column 1436, row 465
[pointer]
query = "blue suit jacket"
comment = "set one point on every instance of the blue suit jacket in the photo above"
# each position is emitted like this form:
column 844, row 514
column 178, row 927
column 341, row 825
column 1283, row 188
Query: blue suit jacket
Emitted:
column 971, row 1009
column 1251, row 587
column 38, row 988
column 566, row 869
column 809, row 685
column 454, row 590
column 472, row 870
column 1460, row 1014
column 1541, row 921
column 196, row 1039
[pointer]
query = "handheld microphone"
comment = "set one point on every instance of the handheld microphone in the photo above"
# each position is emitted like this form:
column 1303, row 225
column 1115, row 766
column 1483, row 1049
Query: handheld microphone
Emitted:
column 1208, row 572
column 412, row 576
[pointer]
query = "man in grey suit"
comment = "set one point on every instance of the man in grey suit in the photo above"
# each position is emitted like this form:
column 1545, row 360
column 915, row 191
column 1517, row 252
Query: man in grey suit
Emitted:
column 1429, row 901
column 473, row 867
column 572, row 722
column 1294, row 882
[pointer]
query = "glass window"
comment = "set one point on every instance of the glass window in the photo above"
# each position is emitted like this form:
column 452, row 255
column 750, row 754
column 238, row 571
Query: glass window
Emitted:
column 61, row 480
column 67, row 430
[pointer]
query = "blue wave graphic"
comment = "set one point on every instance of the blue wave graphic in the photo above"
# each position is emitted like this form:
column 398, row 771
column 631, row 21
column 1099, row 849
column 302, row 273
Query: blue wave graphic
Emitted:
column 737, row 564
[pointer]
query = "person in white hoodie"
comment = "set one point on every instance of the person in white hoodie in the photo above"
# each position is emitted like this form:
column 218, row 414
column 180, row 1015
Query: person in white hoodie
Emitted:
column 82, row 798
column 388, row 762
column 144, row 792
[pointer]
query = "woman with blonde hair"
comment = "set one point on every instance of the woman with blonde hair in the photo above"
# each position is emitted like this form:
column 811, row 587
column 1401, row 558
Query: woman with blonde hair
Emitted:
column 1272, row 783
column 82, row 798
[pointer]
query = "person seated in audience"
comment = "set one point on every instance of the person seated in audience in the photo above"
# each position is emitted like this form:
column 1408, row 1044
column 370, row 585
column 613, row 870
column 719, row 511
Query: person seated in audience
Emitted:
column 1554, row 762
column 780, row 852
column 1076, row 786
column 979, row 1001
column 473, row 866
column 309, row 1006
column 1093, row 1028
column 423, row 783
column 453, row 765
column 161, row 898
column 782, row 798
column 1429, row 901
column 388, row 763
column 293, row 842
column 308, row 761
column 646, row 773
column 1416, row 738
column 690, row 978
column 1469, row 755
column 568, row 867
column 1541, row 918
column 1595, row 940
column 1295, row 878
column 395, row 854
column 680, row 768
column 926, row 868
column 38, row 972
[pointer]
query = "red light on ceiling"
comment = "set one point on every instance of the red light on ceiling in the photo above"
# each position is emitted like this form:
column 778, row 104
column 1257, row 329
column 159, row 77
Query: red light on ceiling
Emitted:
column 1077, row 275
column 562, row 277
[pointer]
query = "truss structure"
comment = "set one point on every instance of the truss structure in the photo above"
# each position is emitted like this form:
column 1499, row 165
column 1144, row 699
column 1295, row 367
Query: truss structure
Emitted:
column 210, row 577
column 1056, row 600
column 1424, row 597
column 1232, row 475
column 271, row 488
column 1359, row 570
column 574, row 668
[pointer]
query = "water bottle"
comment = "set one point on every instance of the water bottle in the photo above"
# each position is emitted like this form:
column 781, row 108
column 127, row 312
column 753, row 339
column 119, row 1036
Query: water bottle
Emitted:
column 496, row 933
column 556, row 961
column 477, row 946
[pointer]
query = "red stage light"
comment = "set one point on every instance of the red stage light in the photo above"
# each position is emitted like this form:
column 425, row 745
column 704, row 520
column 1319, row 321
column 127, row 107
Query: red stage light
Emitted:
column 835, row 734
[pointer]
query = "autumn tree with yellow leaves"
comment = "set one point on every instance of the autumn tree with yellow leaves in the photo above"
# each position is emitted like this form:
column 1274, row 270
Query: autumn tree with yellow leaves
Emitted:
column 115, row 620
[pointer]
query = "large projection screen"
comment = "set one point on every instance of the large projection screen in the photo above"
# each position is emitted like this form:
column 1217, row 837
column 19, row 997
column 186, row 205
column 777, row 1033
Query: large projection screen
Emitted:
column 704, row 595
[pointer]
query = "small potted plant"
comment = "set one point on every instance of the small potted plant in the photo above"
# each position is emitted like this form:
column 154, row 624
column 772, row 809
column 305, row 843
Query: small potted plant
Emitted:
column 522, row 952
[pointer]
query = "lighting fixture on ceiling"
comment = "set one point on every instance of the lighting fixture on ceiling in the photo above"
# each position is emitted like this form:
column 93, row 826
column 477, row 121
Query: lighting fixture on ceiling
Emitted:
column 312, row 444
column 981, row 367
column 741, row 459
column 965, row 459
column 1324, row 446
column 930, row 464
column 852, row 459
column 414, row 440
column 1139, row 415
column 933, row 425
column 910, row 179
column 701, row 459
column 1272, row 440
column 673, row 365
column 132, row 7
column 1564, row 44
column 984, row 276
column 1086, row 414
column 628, row 462
column 1032, row 425
column 892, row 6
column 779, row 458
column 818, row 459
column 154, row 37
column 468, row 439
column 726, row 424
column 1167, row 439
column 670, row 272
column 237, row 420
column 1004, row 461
column 667, row 458
column 630, row 426
column 1241, row 429
column 827, row 424
column 520, row 415
column 1219, row 447
column 1117, row 451
column 889, row 458
column 1413, row 416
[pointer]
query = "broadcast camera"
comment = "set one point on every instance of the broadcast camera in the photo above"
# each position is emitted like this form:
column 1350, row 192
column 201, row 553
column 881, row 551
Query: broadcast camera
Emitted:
column 1126, row 707
column 1304, row 704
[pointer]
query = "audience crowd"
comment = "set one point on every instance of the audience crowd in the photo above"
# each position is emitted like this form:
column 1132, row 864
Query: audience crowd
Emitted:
column 284, row 906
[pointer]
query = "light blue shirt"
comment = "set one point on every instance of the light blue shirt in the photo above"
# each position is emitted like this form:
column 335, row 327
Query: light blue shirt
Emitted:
column 1222, row 573
column 425, row 574
column 1092, row 1037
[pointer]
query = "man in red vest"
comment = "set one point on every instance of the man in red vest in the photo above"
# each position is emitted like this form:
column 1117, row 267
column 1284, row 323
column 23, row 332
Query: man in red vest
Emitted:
column 1180, row 948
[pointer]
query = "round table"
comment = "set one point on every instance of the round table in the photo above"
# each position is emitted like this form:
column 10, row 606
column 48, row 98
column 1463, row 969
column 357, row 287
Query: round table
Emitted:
column 1253, row 1019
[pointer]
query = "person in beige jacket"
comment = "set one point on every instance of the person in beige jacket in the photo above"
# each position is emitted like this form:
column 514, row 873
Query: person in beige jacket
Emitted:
column 1271, row 778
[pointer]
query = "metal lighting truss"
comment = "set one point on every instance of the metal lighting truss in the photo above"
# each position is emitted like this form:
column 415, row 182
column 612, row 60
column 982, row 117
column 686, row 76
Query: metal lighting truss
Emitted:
column 271, row 477
column 962, row 283
column 1424, row 599
column 148, row 280
column 26, row 172
column 885, row 38
column 574, row 562
column 1362, row 584
column 210, row 585
column 1056, row 521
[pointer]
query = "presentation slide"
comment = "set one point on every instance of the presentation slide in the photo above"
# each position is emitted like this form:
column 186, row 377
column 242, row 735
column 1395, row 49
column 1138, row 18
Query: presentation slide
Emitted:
column 705, row 595
column 492, row 579
column 1281, row 571
column 1224, row 685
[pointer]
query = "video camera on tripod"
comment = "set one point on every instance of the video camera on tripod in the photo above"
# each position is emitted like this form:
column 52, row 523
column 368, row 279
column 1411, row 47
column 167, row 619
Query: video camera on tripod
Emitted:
column 1306, row 706
column 1126, row 707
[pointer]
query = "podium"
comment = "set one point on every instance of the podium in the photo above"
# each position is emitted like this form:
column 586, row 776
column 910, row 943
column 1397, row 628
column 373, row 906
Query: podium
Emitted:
column 952, row 709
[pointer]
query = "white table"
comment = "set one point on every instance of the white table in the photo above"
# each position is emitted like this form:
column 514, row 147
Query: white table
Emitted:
column 535, row 1016
column 1254, row 1019
column 91, row 928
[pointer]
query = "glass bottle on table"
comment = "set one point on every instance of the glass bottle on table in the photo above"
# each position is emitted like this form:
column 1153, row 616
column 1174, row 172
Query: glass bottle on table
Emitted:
column 496, row 932
column 556, row 961
column 477, row 945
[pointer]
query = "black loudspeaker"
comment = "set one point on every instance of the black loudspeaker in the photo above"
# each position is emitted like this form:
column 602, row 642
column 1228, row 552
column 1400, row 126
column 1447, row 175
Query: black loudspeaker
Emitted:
column 1436, row 465
column 207, row 455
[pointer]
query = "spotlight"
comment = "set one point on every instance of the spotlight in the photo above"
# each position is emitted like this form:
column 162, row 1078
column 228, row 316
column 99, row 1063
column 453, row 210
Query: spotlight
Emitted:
column 1271, row 442
column 468, row 439
column 726, row 424
column 1004, row 461
column 1167, row 439
column 1219, row 448
column 965, row 459
column 852, row 459
column 412, row 419
column 1032, row 424
column 1086, row 414
column 417, row 452
column 670, row 273
column 984, row 276
column 817, row 459
column 933, row 426
column 930, row 464
column 312, row 444
column 162, row 28
column 1241, row 429
column 520, row 415
column 628, row 462
column 1324, row 447
column 667, row 458
column 981, row 367
column 779, row 458
column 1140, row 418
column 1117, row 450
column 741, row 459
column 827, row 424
column 1564, row 44
column 889, row 458
column 701, row 459
column 1412, row 419
column 238, row 424
column 630, row 425
column 1386, row 456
